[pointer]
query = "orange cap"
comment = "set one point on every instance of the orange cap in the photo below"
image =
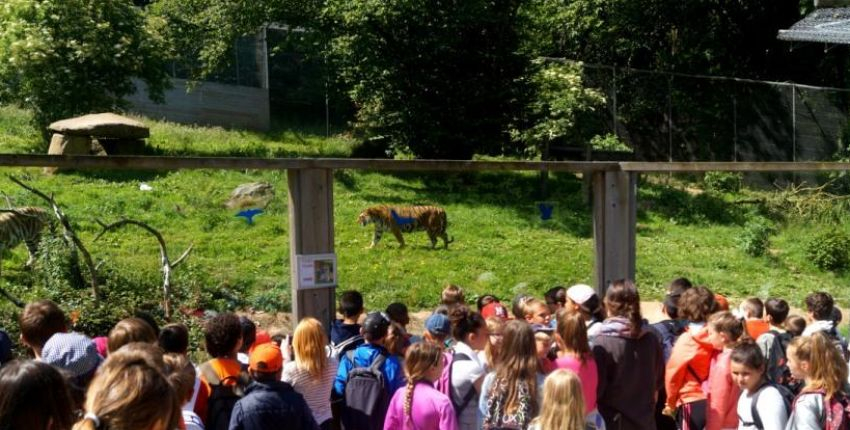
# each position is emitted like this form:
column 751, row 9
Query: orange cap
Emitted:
column 266, row 358
column 722, row 303
column 261, row 338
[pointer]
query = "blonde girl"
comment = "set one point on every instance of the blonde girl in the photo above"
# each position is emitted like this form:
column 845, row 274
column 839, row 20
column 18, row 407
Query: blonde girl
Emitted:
column 489, row 356
column 563, row 403
column 312, row 372
column 420, row 406
column 130, row 392
column 509, row 394
column 816, row 360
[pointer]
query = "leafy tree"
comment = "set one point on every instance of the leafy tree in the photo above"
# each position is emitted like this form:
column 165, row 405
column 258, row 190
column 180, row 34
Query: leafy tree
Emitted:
column 67, row 57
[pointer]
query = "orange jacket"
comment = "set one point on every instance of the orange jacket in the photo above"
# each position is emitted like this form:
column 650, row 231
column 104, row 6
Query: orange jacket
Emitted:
column 756, row 327
column 688, row 368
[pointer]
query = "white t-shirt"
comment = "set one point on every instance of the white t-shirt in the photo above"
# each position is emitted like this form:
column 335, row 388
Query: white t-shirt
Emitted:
column 771, row 409
column 316, row 391
column 464, row 375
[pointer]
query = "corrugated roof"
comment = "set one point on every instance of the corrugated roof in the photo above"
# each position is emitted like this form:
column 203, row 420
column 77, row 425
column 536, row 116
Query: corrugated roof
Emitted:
column 829, row 25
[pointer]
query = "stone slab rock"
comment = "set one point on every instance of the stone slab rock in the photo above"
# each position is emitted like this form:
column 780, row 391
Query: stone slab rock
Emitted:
column 253, row 195
column 61, row 144
column 105, row 125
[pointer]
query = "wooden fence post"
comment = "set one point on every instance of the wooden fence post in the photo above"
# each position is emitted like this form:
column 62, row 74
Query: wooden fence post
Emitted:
column 311, row 231
column 614, row 220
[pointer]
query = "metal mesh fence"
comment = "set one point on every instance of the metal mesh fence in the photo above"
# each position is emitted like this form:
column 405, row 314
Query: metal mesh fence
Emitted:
column 677, row 117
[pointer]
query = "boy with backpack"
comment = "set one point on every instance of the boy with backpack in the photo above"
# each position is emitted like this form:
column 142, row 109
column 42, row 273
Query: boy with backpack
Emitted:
column 367, row 377
column 268, row 401
column 775, row 341
column 820, row 310
column 222, row 379
column 345, row 333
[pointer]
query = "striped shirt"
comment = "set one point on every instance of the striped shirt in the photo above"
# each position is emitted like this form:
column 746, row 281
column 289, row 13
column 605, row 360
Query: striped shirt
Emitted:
column 317, row 392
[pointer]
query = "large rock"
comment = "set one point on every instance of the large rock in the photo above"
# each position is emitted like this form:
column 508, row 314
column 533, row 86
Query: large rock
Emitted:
column 251, row 195
column 61, row 144
column 102, row 125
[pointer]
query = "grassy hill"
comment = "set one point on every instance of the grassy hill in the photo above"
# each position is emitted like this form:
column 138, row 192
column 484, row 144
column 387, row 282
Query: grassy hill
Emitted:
column 501, row 245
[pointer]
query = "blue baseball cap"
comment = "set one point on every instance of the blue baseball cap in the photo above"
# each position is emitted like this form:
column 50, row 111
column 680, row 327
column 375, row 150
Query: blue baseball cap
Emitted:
column 438, row 324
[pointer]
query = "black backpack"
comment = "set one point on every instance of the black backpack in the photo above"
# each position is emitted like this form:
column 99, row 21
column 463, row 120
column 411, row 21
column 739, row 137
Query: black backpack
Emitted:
column 787, row 399
column 366, row 397
column 778, row 371
column 222, row 397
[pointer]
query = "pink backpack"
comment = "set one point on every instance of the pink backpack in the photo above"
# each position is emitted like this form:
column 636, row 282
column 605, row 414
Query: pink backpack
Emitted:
column 837, row 410
column 444, row 384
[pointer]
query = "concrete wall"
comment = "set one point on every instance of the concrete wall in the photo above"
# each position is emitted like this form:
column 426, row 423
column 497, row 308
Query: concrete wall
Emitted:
column 207, row 104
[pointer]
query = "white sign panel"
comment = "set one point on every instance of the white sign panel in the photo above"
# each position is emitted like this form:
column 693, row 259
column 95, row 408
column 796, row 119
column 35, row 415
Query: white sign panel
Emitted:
column 316, row 270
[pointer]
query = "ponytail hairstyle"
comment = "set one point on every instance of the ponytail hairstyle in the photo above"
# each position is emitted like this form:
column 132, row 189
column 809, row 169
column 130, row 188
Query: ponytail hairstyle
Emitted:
column 623, row 300
column 465, row 322
column 572, row 334
column 748, row 354
column 181, row 375
column 563, row 402
column 517, row 364
column 129, row 393
column 308, row 346
column 827, row 368
column 421, row 357
column 726, row 323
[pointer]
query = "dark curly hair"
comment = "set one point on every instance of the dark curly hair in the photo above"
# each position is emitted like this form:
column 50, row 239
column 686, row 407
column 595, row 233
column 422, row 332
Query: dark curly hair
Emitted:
column 222, row 334
column 696, row 304
column 820, row 305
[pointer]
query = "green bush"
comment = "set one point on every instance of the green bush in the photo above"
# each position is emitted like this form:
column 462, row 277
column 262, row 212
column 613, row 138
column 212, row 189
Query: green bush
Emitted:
column 723, row 182
column 830, row 250
column 756, row 237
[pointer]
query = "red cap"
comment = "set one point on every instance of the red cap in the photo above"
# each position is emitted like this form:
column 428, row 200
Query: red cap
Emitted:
column 722, row 303
column 261, row 338
column 494, row 309
column 266, row 358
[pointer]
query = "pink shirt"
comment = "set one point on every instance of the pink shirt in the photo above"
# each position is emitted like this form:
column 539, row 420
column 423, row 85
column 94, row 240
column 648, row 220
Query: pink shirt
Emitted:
column 722, row 394
column 430, row 409
column 586, row 373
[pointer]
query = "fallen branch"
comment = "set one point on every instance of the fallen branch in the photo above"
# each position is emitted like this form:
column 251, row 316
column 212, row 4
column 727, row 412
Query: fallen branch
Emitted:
column 165, row 262
column 69, row 233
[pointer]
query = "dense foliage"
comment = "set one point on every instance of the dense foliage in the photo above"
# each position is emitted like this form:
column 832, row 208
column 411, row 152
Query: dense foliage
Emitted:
column 67, row 57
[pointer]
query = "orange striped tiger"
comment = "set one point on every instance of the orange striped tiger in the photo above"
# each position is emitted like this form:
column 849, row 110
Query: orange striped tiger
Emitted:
column 405, row 219
column 23, row 225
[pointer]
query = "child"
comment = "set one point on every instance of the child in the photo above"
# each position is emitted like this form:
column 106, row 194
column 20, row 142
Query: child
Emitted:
column 438, row 329
column 690, row 361
column 374, row 332
column 312, row 373
column 723, row 331
column 761, row 405
column 795, row 325
column 268, row 401
column 222, row 337
column 543, row 345
column 669, row 330
column 249, row 336
column 174, row 338
column 820, row 310
column 574, row 354
column 815, row 360
column 489, row 357
column 452, row 296
column 752, row 311
column 563, row 403
column 76, row 355
column 467, row 370
column 583, row 299
column 181, row 375
column 40, row 320
column 420, row 405
column 347, row 329
column 33, row 396
column 130, row 330
column 130, row 392
column 774, row 343
column 536, row 312
column 556, row 299
column 398, row 314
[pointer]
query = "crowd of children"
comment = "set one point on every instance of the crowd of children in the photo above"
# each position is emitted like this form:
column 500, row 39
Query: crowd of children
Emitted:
column 572, row 361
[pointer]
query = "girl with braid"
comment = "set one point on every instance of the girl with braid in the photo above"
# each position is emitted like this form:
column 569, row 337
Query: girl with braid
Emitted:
column 420, row 406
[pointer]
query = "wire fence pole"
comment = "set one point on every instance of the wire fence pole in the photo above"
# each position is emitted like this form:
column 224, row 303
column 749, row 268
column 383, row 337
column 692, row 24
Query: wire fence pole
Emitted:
column 614, row 98
column 670, row 118
column 734, row 128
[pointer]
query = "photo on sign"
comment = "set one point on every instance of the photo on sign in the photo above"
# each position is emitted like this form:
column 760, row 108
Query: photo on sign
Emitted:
column 316, row 271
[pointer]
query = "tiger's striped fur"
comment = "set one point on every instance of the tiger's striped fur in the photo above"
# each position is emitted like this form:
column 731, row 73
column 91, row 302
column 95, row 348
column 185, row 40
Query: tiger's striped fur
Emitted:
column 406, row 219
column 23, row 224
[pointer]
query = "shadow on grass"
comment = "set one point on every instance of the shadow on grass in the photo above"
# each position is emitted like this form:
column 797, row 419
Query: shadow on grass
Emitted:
column 684, row 207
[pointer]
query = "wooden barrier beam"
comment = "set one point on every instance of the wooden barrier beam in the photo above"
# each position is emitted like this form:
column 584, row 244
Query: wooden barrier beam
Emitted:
column 614, row 220
column 739, row 166
column 311, row 231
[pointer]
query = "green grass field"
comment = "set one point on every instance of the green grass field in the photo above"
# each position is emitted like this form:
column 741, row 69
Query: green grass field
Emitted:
column 501, row 245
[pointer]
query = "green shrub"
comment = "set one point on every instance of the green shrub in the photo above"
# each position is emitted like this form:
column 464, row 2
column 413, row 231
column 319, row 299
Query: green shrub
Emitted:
column 723, row 182
column 830, row 250
column 755, row 237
